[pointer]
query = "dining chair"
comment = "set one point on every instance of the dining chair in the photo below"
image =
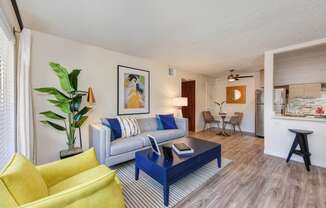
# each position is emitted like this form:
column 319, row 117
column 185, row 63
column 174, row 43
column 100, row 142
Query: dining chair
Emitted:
column 208, row 119
column 235, row 121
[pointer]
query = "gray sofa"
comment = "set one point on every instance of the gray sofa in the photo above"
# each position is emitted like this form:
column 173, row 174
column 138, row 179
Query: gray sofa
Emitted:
column 114, row 152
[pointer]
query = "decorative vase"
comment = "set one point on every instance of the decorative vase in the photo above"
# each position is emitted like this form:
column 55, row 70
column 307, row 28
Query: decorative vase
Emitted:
column 71, row 146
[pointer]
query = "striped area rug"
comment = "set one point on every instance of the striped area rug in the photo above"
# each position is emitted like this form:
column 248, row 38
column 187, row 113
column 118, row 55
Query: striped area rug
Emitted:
column 147, row 193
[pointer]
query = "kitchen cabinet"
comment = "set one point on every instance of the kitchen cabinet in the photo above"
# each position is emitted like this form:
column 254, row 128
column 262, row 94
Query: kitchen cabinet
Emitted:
column 296, row 91
column 310, row 90
column 313, row 90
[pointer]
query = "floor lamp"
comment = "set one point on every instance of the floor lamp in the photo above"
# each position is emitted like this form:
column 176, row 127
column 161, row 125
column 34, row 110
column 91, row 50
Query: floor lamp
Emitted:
column 180, row 102
column 90, row 102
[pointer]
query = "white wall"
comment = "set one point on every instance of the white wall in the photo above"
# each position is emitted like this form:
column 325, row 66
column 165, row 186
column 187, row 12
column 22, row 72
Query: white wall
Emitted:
column 302, row 66
column 99, row 70
column 278, row 139
column 9, row 13
column 217, row 92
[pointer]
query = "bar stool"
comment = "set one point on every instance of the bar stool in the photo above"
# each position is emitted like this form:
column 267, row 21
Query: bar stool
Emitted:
column 301, row 140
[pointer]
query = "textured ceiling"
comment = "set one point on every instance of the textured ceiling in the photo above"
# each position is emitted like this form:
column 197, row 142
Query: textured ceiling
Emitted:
column 208, row 36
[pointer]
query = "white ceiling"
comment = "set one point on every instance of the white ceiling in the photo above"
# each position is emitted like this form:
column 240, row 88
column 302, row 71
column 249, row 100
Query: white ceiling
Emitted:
column 205, row 36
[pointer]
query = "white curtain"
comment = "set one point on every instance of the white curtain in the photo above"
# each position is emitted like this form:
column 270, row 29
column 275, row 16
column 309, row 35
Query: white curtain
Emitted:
column 26, row 145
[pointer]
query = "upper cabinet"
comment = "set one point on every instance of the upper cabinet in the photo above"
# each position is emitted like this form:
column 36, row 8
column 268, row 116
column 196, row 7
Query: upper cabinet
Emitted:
column 311, row 90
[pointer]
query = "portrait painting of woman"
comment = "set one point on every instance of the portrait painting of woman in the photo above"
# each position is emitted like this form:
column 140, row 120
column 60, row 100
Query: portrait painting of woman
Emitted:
column 133, row 90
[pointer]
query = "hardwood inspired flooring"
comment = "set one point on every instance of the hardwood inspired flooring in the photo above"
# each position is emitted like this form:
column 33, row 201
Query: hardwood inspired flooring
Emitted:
column 257, row 180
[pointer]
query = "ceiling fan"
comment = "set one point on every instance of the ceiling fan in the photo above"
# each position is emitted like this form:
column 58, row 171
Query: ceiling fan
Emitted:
column 234, row 77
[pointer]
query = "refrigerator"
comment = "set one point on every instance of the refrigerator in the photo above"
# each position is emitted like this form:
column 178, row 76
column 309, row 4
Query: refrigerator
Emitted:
column 279, row 101
column 279, row 105
column 259, row 121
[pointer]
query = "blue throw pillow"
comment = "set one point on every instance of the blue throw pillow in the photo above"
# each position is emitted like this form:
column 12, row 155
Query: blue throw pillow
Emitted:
column 159, row 123
column 168, row 121
column 115, row 127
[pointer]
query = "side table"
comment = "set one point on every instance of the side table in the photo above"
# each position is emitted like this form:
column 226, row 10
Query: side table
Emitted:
column 69, row 153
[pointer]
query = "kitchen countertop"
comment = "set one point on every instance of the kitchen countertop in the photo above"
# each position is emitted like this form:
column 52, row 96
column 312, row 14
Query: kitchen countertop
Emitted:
column 305, row 118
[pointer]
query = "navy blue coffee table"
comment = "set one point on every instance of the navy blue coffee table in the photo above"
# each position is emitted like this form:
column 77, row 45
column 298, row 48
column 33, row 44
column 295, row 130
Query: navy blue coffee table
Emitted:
column 167, row 172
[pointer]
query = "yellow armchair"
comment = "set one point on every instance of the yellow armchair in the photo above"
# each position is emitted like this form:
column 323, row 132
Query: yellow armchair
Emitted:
column 77, row 181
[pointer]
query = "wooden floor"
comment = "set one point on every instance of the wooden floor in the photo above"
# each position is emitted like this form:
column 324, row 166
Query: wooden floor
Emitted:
column 257, row 180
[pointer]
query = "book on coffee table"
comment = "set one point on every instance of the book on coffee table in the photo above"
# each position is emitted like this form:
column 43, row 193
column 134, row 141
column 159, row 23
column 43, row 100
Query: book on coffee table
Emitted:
column 182, row 149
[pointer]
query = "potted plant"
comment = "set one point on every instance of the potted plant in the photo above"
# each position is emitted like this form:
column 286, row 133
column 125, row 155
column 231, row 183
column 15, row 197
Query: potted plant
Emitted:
column 220, row 105
column 68, row 101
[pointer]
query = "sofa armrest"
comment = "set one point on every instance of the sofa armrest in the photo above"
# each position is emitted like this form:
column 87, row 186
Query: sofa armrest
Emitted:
column 60, row 170
column 182, row 123
column 100, row 139
column 102, row 192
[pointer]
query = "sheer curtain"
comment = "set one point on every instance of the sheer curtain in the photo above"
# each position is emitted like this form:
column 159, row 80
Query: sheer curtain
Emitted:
column 26, row 144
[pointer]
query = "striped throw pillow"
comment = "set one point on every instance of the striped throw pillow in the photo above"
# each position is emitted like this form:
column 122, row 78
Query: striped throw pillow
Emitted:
column 129, row 126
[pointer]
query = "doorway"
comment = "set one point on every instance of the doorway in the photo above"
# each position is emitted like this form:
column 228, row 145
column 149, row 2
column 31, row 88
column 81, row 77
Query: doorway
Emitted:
column 188, row 90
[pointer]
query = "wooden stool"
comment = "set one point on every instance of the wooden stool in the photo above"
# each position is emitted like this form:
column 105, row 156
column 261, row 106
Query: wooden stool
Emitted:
column 301, row 140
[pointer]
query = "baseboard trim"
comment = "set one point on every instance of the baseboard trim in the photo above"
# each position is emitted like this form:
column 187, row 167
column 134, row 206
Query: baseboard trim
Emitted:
column 245, row 133
column 295, row 158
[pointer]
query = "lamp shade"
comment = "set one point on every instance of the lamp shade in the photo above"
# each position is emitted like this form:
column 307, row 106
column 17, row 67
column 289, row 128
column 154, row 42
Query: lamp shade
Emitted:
column 90, row 97
column 180, row 101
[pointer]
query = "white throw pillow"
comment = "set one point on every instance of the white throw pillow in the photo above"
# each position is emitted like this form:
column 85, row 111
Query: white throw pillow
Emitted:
column 129, row 126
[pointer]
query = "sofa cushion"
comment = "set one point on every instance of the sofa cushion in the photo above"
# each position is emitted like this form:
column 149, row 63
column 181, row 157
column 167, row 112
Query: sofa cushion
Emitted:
column 114, row 125
column 147, row 124
column 159, row 123
column 129, row 126
column 124, row 145
column 164, row 135
column 6, row 199
column 23, row 180
column 80, row 178
column 168, row 121
column 60, row 170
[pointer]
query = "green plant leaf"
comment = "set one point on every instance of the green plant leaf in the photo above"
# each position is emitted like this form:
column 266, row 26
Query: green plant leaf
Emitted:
column 55, row 102
column 81, row 121
column 73, row 78
column 54, row 125
column 53, row 91
column 75, row 103
column 62, row 105
column 63, row 76
column 81, row 113
column 53, row 115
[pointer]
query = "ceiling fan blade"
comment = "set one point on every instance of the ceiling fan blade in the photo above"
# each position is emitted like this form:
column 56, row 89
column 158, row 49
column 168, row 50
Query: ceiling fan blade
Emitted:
column 245, row 76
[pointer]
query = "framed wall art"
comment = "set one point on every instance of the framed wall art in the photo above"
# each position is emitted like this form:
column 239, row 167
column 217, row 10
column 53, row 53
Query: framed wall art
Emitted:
column 236, row 94
column 133, row 91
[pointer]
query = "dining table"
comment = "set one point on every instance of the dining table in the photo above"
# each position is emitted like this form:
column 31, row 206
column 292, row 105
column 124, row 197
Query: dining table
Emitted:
column 223, row 117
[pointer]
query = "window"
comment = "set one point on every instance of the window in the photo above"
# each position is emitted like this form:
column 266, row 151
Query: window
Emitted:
column 7, row 98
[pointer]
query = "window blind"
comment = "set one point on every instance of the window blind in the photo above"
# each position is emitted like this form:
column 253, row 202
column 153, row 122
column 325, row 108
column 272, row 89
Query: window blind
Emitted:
column 7, row 99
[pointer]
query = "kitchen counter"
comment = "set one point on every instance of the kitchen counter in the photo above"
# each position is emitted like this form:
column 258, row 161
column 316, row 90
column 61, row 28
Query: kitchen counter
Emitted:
column 279, row 140
column 298, row 118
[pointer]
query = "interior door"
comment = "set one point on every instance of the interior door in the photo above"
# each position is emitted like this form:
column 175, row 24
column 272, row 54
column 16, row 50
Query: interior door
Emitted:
column 188, row 89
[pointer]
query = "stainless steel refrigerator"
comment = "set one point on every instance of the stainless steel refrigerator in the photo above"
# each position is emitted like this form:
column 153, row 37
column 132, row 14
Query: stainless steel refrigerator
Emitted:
column 279, row 101
column 259, row 127
column 279, row 105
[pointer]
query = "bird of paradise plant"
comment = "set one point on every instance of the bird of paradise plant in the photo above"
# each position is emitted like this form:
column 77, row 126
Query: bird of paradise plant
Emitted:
column 69, row 102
